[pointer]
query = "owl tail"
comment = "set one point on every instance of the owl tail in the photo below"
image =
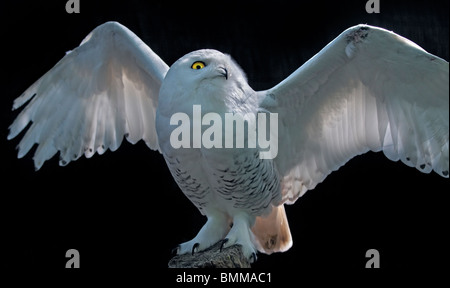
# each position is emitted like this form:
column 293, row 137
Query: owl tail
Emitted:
column 271, row 233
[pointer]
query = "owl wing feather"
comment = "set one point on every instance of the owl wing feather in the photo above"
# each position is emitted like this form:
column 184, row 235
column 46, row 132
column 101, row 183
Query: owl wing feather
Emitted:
column 103, row 90
column 369, row 89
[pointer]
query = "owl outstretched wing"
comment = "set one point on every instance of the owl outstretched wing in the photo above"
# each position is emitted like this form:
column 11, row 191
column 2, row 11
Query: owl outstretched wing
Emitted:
column 369, row 89
column 101, row 91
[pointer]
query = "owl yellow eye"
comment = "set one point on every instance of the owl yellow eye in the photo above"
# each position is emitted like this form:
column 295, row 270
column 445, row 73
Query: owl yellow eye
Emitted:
column 198, row 65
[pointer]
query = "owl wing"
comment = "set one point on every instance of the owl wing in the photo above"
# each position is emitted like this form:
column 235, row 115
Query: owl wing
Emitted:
column 369, row 89
column 103, row 90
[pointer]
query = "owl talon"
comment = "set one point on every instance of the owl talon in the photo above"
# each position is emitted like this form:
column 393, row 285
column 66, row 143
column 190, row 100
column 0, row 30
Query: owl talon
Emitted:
column 253, row 258
column 195, row 248
column 175, row 250
column 223, row 243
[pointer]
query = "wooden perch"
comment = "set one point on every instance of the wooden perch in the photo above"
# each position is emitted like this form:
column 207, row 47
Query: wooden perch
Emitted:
column 212, row 257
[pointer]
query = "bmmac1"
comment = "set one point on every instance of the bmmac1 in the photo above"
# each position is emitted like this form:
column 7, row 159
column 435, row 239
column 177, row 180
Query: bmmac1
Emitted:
column 240, row 277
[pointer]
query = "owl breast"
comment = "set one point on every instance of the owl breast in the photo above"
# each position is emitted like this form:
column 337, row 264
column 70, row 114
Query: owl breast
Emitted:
column 228, row 180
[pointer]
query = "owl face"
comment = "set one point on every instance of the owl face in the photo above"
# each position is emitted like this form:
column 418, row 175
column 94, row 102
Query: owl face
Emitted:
column 202, row 77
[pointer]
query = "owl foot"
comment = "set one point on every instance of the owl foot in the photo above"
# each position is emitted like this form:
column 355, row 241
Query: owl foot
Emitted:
column 241, row 234
column 252, row 259
column 213, row 231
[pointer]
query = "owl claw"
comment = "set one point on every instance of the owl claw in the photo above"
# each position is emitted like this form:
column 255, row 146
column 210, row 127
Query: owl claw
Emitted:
column 175, row 250
column 223, row 243
column 195, row 248
column 253, row 258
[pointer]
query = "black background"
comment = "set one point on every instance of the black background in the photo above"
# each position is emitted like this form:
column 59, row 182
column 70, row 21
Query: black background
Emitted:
column 123, row 210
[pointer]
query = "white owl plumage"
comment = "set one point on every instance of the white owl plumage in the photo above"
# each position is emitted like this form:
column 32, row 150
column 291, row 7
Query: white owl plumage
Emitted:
column 369, row 89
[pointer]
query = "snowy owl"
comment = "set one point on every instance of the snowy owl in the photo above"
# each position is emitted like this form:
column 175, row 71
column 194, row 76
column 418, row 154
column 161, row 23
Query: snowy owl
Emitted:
column 368, row 90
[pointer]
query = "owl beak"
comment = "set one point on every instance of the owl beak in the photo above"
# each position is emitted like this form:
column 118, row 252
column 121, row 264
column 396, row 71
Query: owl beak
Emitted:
column 223, row 72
